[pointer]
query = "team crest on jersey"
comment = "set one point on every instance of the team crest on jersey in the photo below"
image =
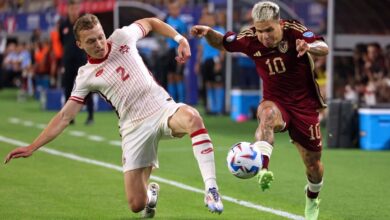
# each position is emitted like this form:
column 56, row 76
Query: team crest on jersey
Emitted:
column 283, row 46
column 124, row 49
column 231, row 38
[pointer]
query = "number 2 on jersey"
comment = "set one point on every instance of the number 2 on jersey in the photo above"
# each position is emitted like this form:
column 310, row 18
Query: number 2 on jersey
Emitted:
column 122, row 72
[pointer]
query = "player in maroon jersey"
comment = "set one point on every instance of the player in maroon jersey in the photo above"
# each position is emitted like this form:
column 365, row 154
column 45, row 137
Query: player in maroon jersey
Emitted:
column 282, row 51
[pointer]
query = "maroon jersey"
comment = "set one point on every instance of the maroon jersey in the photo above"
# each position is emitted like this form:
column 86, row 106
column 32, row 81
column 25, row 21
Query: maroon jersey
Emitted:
column 287, row 79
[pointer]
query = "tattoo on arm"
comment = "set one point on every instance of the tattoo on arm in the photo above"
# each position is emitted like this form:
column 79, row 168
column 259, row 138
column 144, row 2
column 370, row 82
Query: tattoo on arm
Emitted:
column 215, row 39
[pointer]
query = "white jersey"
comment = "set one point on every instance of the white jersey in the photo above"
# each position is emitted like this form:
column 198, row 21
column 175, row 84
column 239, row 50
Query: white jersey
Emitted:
column 122, row 79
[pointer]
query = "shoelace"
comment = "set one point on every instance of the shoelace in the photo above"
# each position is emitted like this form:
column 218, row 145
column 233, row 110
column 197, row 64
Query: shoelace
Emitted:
column 214, row 193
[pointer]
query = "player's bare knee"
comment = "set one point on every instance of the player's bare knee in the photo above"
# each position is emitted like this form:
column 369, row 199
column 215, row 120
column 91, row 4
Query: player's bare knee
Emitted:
column 267, row 115
column 192, row 118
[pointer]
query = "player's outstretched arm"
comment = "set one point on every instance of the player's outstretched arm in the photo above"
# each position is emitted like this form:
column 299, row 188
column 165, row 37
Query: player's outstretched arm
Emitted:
column 317, row 48
column 55, row 127
column 158, row 26
column 214, row 38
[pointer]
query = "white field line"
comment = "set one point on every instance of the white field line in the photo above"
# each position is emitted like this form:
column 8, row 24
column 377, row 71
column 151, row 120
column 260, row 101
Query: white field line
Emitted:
column 98, row 138
column 156, row 178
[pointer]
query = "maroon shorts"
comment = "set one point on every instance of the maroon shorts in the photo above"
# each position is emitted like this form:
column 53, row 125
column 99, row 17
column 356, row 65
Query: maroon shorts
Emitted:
column 303, row 127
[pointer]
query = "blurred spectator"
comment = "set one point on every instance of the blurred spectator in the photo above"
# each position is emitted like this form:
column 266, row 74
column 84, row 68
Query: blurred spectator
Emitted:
column 11, row 66
column 248, row 77
column 359, row 57
column 175, row 70
column 374, row 66
column 369, row 94
column 42, row 57
column 73, row 57
column 3, row 45
column 387, row 59
column 34, row 39
column 210, row 63
column 57, row 55
column 350, row 94
column 383, row 91
column 26, row 86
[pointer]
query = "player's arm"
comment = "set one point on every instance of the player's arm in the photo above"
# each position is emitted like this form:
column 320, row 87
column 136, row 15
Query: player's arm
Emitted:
column 55, row 127
column 213, row 37
column 317, row 48
column 158, row 26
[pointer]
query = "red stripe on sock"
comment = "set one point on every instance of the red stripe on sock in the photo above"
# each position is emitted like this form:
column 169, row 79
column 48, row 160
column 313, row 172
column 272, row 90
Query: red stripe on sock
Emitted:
column 198, row 132
column 265, row 162
column 201, row 142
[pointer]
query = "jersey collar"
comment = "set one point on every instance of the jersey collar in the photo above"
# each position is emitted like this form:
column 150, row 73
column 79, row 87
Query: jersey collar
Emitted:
column 97, row 61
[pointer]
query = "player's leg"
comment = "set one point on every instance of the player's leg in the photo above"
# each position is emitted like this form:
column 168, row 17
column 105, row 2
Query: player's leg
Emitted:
column 135, row 186
column 306, row 135
column 187, row 120
column 314, row 172
column 270, row 120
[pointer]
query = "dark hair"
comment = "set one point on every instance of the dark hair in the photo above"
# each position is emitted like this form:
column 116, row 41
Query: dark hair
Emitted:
column 85, row 22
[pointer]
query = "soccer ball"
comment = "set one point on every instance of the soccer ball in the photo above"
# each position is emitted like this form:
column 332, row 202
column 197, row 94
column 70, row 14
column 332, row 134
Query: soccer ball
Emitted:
column 244, row 160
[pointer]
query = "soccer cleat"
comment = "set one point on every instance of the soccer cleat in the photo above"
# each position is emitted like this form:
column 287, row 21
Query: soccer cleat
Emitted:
column 265, row 177
column 150, row 209
column 213, row 201
column 312, row 208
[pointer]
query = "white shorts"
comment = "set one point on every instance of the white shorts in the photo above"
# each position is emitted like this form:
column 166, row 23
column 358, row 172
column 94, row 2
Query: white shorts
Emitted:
column 139, row 144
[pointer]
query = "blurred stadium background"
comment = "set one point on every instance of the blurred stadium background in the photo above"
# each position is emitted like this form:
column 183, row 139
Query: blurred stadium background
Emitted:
column 354, row 78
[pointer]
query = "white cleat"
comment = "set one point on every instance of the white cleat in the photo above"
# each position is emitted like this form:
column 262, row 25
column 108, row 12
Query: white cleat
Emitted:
column 150, row 209
column 213, row 201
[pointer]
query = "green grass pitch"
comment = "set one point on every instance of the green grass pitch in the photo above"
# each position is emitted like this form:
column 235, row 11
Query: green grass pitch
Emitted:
column 46, row 186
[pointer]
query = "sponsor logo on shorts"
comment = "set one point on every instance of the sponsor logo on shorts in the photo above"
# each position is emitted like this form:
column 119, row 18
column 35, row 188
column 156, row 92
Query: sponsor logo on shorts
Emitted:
column 206, row 151
column 123, row 160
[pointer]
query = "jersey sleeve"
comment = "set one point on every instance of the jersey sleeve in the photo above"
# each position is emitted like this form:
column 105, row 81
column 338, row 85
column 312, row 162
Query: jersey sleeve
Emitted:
column 131, row 33
column 235, row 43
column 80, row 88
column 301, row 32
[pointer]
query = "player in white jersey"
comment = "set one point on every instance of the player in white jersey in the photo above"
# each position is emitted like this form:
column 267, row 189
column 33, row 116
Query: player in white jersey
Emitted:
column 146, row 112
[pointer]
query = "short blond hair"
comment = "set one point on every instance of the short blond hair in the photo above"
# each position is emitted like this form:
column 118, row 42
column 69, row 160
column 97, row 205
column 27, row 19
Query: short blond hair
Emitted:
column 265, row 11
column 85, row 22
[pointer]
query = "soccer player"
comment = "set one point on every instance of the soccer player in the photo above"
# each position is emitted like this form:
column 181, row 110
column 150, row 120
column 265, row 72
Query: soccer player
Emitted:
column 146, row 112
column 282, row 51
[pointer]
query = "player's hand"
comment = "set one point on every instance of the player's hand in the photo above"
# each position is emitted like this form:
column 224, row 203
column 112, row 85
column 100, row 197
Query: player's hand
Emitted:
column 183, row 51
column 302, row 47
column 199, row 30
column 18, row 152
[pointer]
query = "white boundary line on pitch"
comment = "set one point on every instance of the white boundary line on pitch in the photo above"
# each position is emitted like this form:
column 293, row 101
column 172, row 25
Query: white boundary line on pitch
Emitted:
column 156, row 178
